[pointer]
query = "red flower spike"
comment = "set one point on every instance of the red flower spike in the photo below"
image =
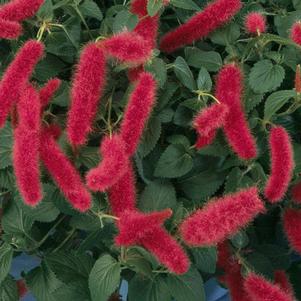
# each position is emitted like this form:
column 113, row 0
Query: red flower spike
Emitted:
column 221, row 218
column 134, row 73
column 139, row 7
column 19, row 10
column 236, row 127
column 137, row 112
column 17, row 75
column 298, row 79
column 282, row 161
column 128, row 47
column 204, row 141
column 48, row 91
column 87, row 88
column 26, row 148
column 63, row 172
column 146, row 230
column 292, row 227
column 296, row 193
column 199, row 26
column 296, row 33
column 9, row 29
column 113, row 166
column 260, row 289
column 283, row 282
column 122, row 195
column 255, row 23
column 22, row 289
column 210, row 119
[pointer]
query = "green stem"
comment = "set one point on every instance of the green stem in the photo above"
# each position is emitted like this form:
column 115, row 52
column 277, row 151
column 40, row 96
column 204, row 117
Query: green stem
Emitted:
column 64, row 241
column 83, row 20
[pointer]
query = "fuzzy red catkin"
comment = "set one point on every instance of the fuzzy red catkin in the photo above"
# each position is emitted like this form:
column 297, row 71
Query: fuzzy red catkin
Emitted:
column 296, row 32
column 26, row 147
column 9, row 29
column 210, row 119
column 122, row 195
column 87, row 88
column 282, row 164
column 221, row 218
column 48, row 91
column 146, row 230
column 199, row 26
column 137, row 111
column 255, row 23
column 296, row 193
column 128, row 47
column 16, row 76
column 63, row 172
column 292, row 228
column 236, row 127
column 19, row 10
column 113, row 166
column 203, row 141
column 22, row 289
column 260, row 289
column 281, row 279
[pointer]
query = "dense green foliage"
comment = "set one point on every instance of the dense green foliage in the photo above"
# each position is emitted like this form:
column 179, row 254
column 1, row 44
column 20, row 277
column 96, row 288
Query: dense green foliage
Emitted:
column 79, row 261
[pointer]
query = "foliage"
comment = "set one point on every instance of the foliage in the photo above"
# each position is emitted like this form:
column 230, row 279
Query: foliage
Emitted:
column 79, row 260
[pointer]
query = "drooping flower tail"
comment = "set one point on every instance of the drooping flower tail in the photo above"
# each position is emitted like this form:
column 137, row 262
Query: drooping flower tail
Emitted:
column 296, row 32
column 255, row 23
column 87, row 88
column 137, row 111
column 26, row 147
column 221, row 218
column 236, row 127
column 113, row 166
column 48, row 91
column 9, row 29
column 17, row 75
column 282, row 164
column 199, row 26
column 282, row 280
column 63, row 172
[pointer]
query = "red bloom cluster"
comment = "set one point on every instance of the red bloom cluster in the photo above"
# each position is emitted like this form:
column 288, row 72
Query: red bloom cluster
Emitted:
column 86, row 91
column 236, row 128
column 260, row 289
column 292, row 227
column 48, row 91
column 26, row 147
column 255, row 23
column 122, row 195
column 208, row 121
column 283, row 282
column 213, row 16
column 298, row 79
column 296, row 32
column 16, row 11
column 63, row 172
column 282, row 164
column 113, row 166
column 221, row 218
column 22, row 289
column 17, row 75
column 137, row 112
column 146, row 230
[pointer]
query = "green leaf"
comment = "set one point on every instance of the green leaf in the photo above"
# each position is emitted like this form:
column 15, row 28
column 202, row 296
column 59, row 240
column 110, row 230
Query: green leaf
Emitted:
column 157, row 196
column 226, row 35
column 46, row 10
column 6, row 255
column 183, row 73
column 205, row 259
column 202, row 185
column 144, row 289
column 261, row 264
column 70, row 267
column 6, row 144
column 240, row 240
column 197, row 58
column 185, row 4
column 90, row 9
column 104, row 278
column 186, row 287
column 174, row 162
column 124, row 19
column 8, row 290
column 265, row 76
column 204, row 81
column 276, row 101
column 89, row 156
column 153, row 7
column 158, row 68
